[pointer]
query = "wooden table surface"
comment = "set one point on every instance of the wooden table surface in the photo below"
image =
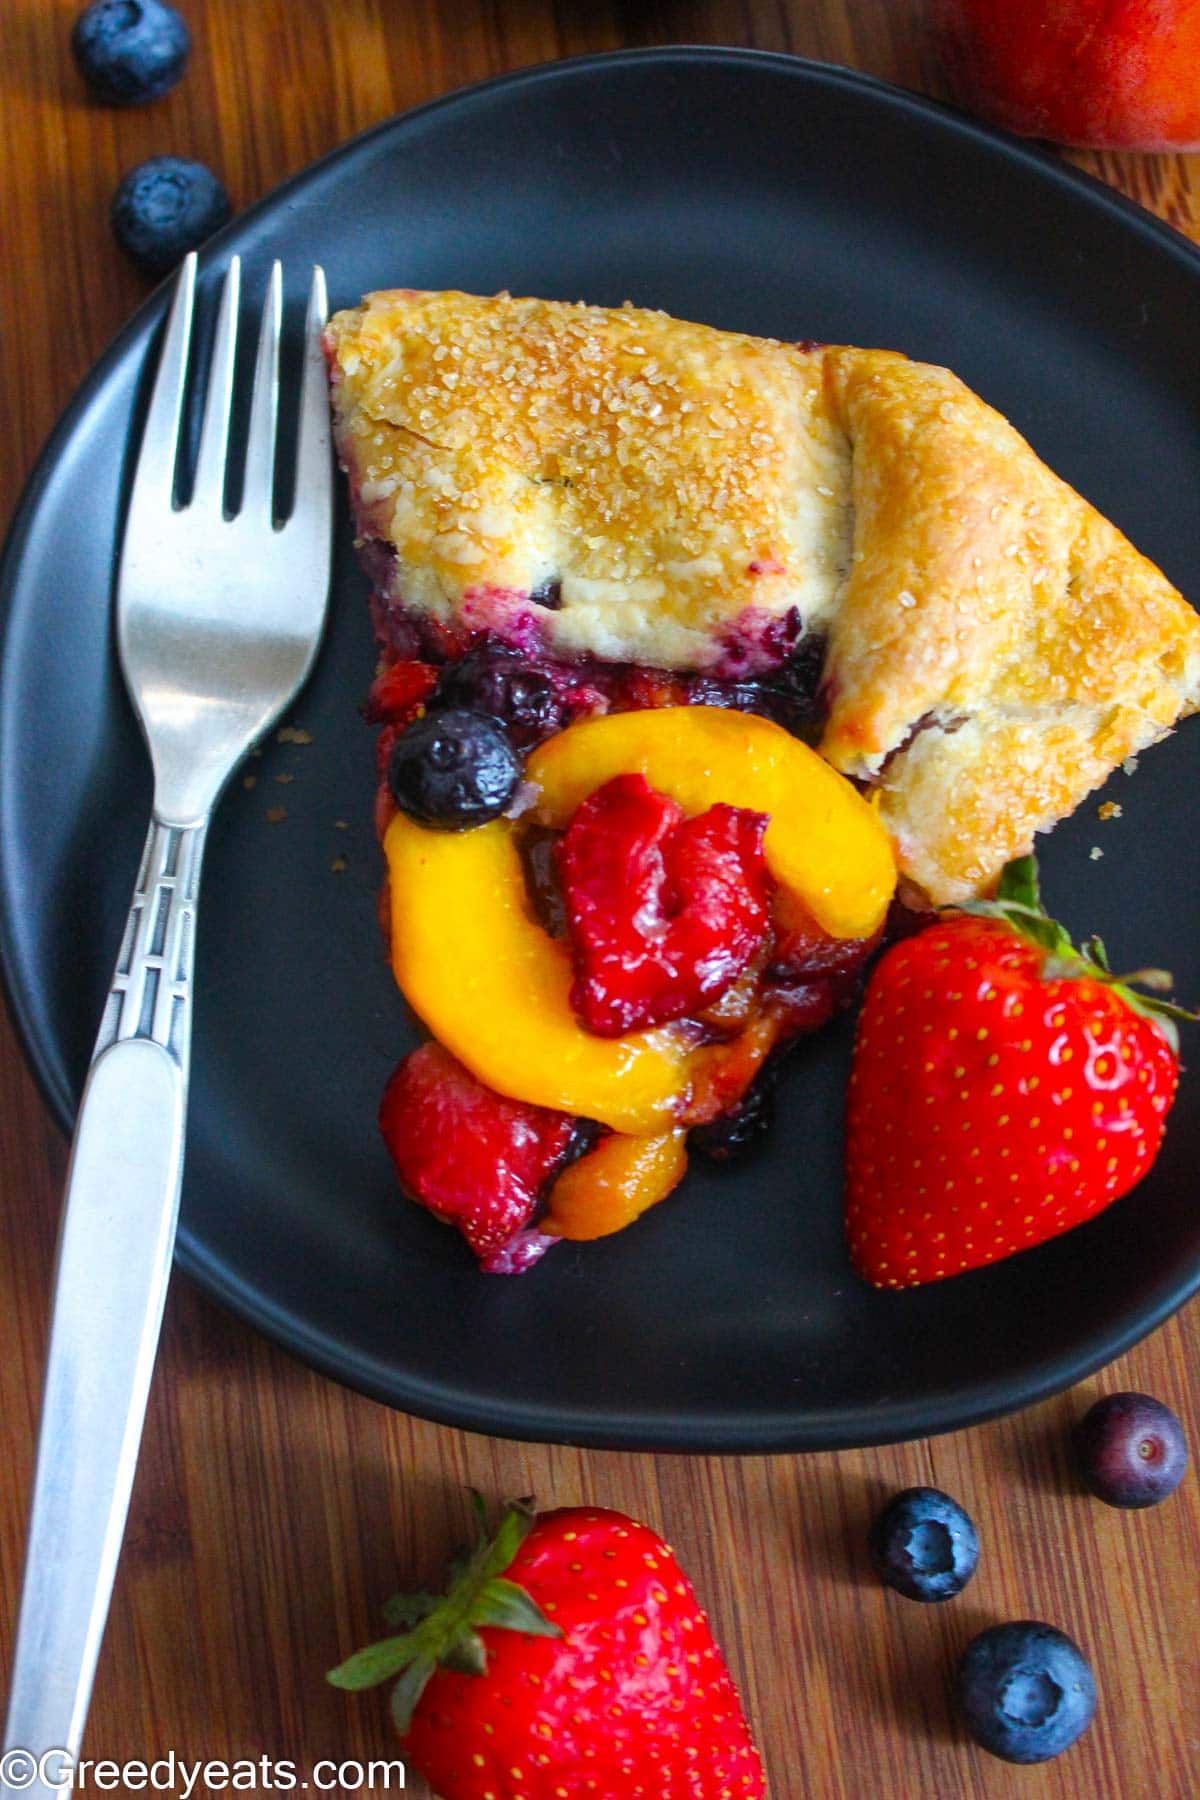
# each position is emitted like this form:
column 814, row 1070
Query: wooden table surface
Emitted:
column 273, row 1511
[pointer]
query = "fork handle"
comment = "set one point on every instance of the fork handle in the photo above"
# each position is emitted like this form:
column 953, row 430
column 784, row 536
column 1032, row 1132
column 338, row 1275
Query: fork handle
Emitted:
column 114, row 1260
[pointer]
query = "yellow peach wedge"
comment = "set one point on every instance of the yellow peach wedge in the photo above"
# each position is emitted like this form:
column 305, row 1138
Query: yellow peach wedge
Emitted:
column 614, row 1184
column 824, row 841
column 488, row 982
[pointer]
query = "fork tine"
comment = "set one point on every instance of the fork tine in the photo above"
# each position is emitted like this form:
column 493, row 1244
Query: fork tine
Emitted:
column 257, row 493
column 314, row 469
column 154, row 484
column 209, row 485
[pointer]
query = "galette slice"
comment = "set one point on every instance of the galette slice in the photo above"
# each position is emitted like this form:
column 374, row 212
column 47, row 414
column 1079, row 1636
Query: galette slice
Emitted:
column 654, row 557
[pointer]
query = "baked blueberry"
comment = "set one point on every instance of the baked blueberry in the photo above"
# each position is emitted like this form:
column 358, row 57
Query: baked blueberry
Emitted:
column 1131, row 1450
column 453, row 768
column 164, row 208
column 130, row 51
column 793, row 691
column 733, row 1134
column 1026, row 1691
column 738, row 696
column 492, row 678
column 924, row 1545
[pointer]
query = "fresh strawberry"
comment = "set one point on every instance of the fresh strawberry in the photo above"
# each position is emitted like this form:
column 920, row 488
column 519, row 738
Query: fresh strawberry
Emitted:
column 664, row 912
column 471, row 1156
column 570, row 1657
column 1005, row 1087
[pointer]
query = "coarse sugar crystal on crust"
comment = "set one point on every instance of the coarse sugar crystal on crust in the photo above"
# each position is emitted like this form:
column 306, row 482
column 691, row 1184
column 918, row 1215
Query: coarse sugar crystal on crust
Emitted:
column 677, row 487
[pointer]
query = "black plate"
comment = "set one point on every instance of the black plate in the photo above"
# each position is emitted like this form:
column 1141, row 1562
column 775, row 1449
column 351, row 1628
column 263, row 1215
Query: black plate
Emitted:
column 746, row 190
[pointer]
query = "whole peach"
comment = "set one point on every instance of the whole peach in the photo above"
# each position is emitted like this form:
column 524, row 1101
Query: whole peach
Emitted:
column 1103, row 74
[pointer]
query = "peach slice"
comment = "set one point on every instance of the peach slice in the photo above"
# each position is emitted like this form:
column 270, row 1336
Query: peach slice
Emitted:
column 491, row 986
column 614, row 1184
column 824, row 842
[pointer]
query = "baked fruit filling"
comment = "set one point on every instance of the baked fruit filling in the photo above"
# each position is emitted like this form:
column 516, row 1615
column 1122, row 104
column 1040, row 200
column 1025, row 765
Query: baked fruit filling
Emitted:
column 690, row 643
column 623, row 949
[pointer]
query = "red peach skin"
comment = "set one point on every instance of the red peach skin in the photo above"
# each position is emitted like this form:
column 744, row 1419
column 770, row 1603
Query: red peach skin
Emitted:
column 1101, row 74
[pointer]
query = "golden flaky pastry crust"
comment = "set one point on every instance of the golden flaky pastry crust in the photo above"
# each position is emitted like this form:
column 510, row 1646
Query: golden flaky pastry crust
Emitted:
column 688, row 498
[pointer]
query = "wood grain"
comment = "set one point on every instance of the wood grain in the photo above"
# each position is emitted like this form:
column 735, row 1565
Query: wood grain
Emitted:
column 273, row 1511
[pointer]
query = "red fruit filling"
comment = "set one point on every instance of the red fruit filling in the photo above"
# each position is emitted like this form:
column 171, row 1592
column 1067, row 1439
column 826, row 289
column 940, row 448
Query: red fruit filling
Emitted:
column 398, row 693
column 472, row 1157
column 664, row 912
column 803, row 952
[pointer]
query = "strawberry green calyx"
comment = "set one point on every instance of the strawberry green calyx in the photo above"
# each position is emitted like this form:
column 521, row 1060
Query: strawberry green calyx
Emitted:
column 442, row 1630
column 1018, row 904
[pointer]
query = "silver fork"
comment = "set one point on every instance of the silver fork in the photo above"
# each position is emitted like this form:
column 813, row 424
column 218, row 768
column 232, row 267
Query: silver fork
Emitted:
column 218, row 622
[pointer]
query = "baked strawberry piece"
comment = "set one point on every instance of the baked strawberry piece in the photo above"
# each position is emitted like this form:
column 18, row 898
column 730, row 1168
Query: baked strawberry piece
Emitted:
column 470, row 1156
column 399, row 691
column 664, row 912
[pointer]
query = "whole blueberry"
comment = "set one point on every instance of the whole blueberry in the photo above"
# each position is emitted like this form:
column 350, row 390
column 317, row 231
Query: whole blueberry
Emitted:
column 164, row 208
column 130, row 51
column 733, row 1134
column 453, row 769
column 924, row 1545
column 1025, row 1690
column 1131, row 1450
column 492, row 678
